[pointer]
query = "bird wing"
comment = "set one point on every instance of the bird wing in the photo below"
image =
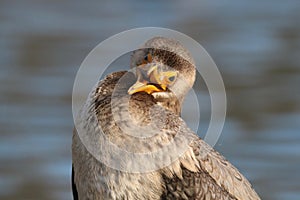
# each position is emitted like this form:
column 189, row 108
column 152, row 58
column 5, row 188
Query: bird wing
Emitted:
column 222, row 172
column 203, row 173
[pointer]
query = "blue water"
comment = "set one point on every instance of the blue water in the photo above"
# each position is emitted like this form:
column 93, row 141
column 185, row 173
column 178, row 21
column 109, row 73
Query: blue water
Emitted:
column 255, row 45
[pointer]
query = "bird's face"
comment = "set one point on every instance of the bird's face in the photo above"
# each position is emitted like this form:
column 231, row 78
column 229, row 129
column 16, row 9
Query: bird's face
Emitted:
column 153, row 77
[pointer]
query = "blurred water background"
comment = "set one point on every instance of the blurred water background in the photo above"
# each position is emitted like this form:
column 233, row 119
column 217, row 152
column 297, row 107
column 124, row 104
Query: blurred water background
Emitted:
column 254, row 43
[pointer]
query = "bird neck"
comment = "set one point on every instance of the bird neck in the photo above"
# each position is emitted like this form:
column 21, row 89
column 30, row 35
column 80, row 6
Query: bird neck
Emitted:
column 169, row 101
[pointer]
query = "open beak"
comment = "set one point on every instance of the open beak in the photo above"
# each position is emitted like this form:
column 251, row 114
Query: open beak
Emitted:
column 150, row 85
column 143, row 87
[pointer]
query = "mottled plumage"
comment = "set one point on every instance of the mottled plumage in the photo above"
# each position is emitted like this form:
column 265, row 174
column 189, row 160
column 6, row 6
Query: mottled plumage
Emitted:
column 199, row 173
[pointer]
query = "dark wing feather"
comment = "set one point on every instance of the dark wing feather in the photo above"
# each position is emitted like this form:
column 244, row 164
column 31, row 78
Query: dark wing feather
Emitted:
column 199, row 185
column 74, row 189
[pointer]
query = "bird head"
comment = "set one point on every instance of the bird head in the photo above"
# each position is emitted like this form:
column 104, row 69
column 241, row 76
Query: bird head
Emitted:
column 164, row 69
column 153, row 77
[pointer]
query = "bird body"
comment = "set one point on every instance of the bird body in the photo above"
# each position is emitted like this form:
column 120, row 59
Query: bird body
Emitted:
column 198, row 172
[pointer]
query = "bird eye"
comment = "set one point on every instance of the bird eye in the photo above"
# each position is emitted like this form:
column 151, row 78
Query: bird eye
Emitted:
column 148, row 57
column 171, row 78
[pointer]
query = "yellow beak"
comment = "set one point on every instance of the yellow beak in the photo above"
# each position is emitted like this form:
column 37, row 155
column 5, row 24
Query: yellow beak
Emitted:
column 143, row 87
